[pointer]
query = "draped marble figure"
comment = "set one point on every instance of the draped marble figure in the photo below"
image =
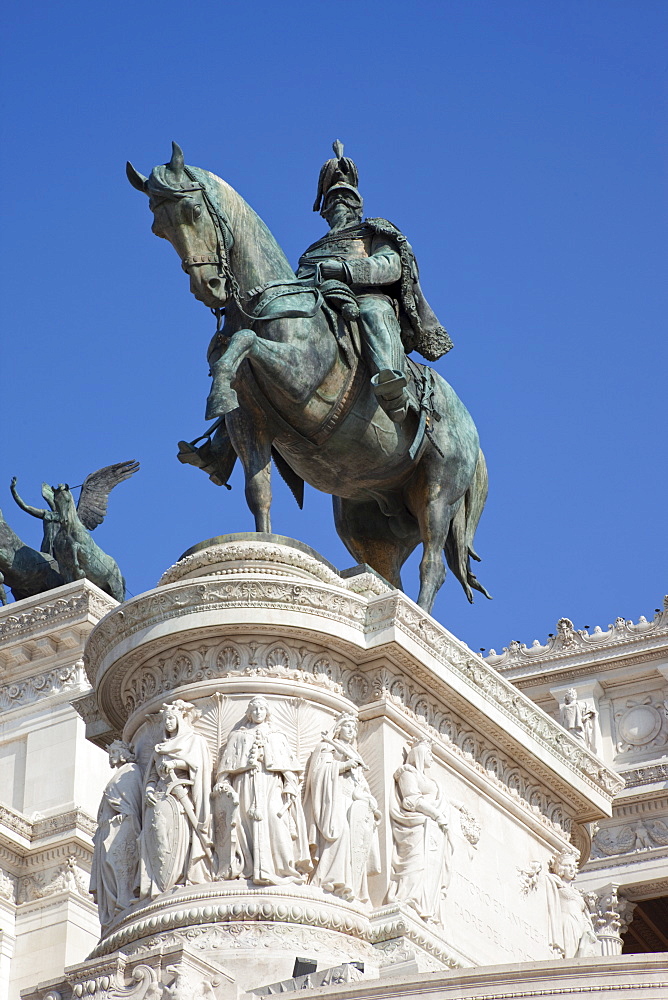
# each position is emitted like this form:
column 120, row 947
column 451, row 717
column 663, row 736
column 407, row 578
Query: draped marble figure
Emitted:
column 257, row 800
column 342, row 815
column 419, row 814
column 114, row 877
column 581, row 720
column 570, row 926
column 176, row 846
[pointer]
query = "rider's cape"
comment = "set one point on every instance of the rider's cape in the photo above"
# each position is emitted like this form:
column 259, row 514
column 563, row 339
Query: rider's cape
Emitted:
column 420, row 328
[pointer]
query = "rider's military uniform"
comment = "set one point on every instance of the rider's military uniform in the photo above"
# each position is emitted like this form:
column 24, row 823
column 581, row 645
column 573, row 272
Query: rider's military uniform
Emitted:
column 372, row 269
column 381, row 271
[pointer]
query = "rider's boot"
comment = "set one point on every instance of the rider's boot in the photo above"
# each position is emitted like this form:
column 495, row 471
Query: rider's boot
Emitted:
column 389, row 386
column 201, row 457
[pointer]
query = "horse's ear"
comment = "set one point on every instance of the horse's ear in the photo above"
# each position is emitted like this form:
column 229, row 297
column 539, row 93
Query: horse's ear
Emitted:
column 176, row 164
column 136, row 179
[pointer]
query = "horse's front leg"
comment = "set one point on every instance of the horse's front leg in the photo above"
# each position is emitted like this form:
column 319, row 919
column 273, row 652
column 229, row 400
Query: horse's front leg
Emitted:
column 222, row 398
column 251, row 439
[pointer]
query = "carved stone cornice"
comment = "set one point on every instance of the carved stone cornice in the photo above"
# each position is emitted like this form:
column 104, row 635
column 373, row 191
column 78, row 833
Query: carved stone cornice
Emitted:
column 647, row 774
column 52, row 826
column 577, row 650
column 222, row 902
column 31, row 844
column 504, row 696
column 43, row 685
column 15, row 822
column 77, row 601
column 365, row 622
column 218, row 911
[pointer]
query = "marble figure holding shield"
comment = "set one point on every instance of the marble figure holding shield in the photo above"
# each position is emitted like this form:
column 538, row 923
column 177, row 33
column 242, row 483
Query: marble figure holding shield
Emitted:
column 176, row 846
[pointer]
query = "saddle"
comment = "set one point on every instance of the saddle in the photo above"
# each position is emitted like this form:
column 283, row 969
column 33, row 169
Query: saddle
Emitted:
column 284, row 299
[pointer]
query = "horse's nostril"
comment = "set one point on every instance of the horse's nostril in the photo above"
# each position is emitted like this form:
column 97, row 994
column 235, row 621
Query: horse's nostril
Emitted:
column 214, row 284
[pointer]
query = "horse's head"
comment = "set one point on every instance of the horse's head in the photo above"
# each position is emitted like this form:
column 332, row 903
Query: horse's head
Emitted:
column 63, row 502
column 185, row 214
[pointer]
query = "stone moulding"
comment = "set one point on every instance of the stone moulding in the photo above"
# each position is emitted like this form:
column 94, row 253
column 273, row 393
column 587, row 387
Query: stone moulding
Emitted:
column 569, row 646
column 251, row 556
column 214, row 903
column 80, row 600
column 51, row 682
column 312, row 607
column 189, row 915
column 646, row 775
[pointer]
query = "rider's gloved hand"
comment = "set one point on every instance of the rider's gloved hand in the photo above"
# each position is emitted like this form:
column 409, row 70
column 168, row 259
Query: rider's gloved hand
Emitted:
column 333, row 269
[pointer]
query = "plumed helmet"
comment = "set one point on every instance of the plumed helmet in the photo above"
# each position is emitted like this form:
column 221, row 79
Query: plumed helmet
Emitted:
column 338, row 174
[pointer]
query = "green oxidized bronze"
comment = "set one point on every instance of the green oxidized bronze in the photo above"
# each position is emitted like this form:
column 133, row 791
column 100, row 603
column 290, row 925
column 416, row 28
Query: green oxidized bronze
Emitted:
column 313, row 371
column 68, row 551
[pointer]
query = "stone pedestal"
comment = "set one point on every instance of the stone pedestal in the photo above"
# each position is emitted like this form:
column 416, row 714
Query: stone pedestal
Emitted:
column 249, row 615
column 51, row 780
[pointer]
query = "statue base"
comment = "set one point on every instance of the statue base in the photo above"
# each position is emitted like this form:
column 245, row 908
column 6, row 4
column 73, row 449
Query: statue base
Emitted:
column 260, row 615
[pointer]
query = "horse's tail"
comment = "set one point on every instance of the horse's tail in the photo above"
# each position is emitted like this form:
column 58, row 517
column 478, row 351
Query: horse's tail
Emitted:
column 459, row 544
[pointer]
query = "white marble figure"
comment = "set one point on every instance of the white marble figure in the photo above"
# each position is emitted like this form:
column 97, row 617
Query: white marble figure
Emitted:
column 258, row 803
column 419, row 815
column 570, row 927
column 176, row 846
column 580, row 720
column 342, row 815
column 114, row 877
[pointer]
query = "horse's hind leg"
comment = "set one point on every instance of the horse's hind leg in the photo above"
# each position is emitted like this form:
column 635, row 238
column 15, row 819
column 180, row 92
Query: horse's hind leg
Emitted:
column 366, row 533
column 431, row 506
column 251, row 440
column 3, row 592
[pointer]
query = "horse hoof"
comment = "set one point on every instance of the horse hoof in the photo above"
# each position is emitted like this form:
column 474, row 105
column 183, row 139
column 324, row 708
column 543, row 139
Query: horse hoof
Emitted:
column 220, row 404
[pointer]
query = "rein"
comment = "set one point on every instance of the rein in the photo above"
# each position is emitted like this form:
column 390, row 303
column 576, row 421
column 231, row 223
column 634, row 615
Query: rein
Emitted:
column 224, row 243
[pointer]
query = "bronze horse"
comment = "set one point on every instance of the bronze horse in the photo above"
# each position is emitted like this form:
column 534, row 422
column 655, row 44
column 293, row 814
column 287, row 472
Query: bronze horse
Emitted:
column 294, row 386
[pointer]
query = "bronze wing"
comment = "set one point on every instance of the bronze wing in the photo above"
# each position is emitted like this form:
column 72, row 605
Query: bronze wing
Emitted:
column 95, row 491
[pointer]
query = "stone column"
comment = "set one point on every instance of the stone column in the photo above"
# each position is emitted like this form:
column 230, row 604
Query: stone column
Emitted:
column 612, row 915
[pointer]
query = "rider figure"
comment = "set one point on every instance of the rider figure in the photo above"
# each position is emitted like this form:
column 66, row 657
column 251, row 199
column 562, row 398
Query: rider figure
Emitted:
column 376, row 261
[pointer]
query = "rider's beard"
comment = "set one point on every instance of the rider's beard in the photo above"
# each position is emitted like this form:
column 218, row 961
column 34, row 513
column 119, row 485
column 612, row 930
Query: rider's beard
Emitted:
column 342, row 215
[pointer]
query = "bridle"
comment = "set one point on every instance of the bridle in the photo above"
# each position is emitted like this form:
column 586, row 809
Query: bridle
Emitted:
column 224, row 242
column 221, row 256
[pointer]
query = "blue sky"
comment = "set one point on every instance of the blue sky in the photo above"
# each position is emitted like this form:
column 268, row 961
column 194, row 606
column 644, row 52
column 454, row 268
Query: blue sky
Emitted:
column 520, row 145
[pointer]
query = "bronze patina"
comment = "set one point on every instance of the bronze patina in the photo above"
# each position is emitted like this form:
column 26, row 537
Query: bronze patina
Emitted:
column 313, row 371
column 67, row 545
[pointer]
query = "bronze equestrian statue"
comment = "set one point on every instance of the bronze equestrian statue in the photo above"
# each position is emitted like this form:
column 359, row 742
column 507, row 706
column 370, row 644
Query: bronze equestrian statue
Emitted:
column 312, row 370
